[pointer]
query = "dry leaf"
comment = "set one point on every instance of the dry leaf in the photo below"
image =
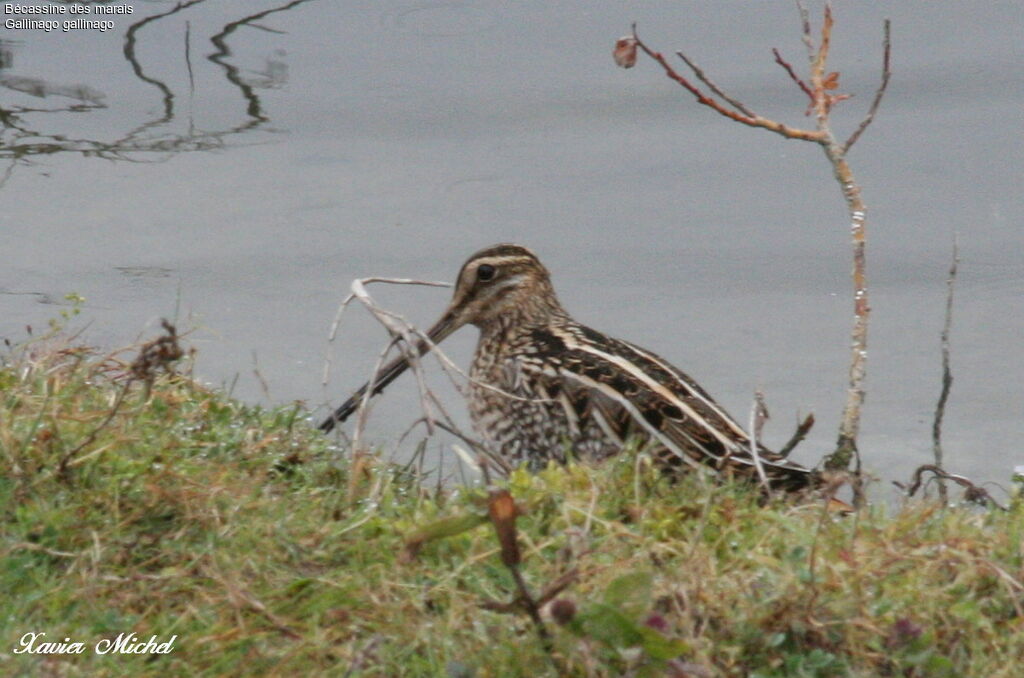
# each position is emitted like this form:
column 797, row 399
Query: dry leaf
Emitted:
column 625, row 51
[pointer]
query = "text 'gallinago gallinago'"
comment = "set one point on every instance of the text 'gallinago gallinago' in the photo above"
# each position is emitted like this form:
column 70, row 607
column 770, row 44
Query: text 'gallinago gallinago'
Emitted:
column 576, row 391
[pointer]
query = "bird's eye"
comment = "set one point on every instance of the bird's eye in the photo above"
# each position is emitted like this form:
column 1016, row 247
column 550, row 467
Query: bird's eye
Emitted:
column 485, row 273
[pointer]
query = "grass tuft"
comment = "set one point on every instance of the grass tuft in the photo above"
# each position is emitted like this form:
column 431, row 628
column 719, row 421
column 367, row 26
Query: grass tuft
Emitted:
column 158, row 506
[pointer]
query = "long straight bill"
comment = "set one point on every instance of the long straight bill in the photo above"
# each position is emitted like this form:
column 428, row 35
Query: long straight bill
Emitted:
column 387, row 374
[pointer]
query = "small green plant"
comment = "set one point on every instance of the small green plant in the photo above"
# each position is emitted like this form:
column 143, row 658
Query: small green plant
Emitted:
column 67, row 313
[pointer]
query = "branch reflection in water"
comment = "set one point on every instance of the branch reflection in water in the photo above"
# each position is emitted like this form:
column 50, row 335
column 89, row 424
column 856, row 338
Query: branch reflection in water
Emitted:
column 23, row 134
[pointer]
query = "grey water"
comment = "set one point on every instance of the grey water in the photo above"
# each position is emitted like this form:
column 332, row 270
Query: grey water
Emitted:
column 234, row 165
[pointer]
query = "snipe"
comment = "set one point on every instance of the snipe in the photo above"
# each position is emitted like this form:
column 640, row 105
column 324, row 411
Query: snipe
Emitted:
column 561, row 388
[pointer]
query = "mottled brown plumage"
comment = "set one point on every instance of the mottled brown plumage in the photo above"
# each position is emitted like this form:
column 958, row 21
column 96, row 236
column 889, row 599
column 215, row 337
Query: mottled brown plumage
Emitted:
column 544, row 387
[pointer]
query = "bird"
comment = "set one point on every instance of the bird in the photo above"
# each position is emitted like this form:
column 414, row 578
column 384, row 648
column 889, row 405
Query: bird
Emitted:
column 545, row 388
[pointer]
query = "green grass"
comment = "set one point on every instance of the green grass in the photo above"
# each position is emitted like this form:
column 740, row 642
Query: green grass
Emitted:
column 249, row 536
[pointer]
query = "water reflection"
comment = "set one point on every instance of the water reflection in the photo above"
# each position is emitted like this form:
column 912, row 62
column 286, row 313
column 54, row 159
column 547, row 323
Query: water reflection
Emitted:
column 276, row 71
column 419, row 130
column 25, row 133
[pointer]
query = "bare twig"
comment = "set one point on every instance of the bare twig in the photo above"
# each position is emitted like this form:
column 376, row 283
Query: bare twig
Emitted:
column 947, row 375
column 332, row 335
column 412, row 342
column 65, row 461
column 401, row 328
column 452, row 370
column 402, row 336
column 450, row 427
column 156, row 354
column 801, row 432
column 792, row 74
column 750, row 120
column 546, row 596
column 819, row 57
column 758, row 415
column 820, row 90
column 738, row 105
column 805, row 28
column 492, row 458
column 879, row 93
column 364, row 410
column 972, row 492
column 846, row 444
column 264, row 386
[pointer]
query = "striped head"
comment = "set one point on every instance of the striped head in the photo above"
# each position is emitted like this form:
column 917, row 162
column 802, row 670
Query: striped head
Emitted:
column 500, row 285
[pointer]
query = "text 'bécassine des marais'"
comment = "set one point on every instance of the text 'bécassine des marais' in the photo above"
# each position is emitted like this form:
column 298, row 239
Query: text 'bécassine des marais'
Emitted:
column 12, row 8
column 38, row 16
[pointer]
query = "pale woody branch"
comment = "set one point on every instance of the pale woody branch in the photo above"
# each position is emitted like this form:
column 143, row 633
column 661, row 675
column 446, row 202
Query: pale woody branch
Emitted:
column 820, row 92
